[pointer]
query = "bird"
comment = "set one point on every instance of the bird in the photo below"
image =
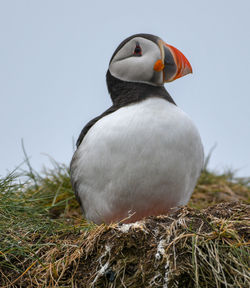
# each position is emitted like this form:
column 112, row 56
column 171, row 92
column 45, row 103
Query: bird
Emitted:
column 142, row 156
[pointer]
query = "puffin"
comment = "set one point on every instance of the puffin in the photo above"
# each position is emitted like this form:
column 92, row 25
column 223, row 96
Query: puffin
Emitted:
column 142, row 156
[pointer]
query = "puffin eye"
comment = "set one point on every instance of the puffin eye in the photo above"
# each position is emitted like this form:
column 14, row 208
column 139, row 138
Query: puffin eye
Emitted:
column 138, row 51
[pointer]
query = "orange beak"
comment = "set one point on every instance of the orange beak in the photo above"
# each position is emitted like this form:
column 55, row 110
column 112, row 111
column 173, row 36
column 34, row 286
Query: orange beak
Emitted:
column 173, row 63
column 183, row 65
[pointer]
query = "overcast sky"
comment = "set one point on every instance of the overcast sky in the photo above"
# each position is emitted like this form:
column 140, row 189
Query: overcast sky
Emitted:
column 54, row 55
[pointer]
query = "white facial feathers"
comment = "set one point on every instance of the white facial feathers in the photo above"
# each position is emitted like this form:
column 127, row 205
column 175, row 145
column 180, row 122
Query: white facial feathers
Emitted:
column 128, row 66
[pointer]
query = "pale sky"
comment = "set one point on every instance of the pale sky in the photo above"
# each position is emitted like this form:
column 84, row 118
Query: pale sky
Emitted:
column 54, row 55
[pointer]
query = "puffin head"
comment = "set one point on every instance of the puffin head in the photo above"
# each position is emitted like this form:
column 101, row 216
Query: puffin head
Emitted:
column 145, row 58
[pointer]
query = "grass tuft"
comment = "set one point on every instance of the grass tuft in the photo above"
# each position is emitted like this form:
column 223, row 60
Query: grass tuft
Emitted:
column 44, row 242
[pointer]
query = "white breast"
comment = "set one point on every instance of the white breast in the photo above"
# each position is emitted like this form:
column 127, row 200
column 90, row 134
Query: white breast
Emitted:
column 144, row 158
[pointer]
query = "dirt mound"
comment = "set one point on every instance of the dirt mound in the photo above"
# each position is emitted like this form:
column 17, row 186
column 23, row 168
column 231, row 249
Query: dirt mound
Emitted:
column 206, row 248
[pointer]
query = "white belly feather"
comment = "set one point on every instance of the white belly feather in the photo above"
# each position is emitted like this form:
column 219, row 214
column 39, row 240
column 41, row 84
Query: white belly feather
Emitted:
column 143, row 158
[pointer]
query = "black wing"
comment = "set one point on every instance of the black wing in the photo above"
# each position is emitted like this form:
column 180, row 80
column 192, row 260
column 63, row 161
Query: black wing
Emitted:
column 83, row 133
column 92, row 122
